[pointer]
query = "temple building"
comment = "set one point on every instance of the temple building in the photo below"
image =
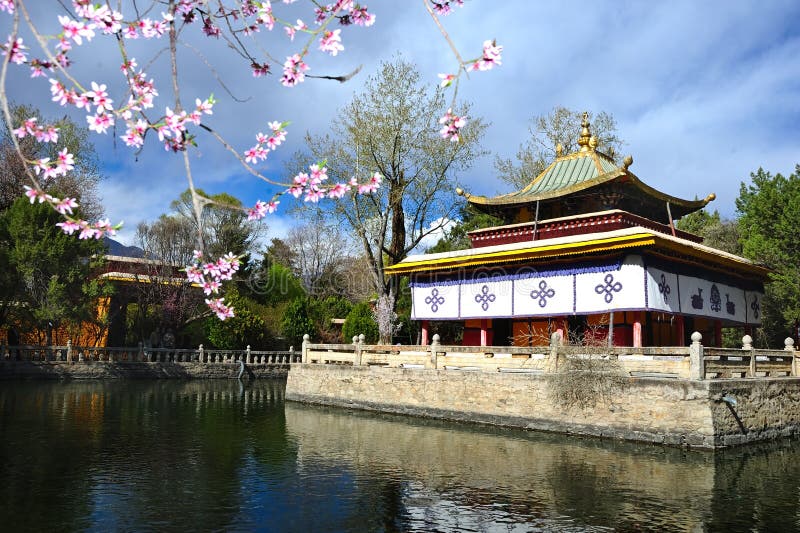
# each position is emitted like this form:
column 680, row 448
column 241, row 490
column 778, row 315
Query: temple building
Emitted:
column 588, row 250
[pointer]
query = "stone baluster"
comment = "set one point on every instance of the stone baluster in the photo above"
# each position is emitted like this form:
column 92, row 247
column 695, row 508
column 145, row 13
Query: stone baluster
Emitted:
column 788, row 345
column 435, row 351
column 69, row 350
column 140, row 356
column 200, row 354
column 697, row 364
column 747, row 346
column 249, row 355
column 356, row 351
column 80, row 356
column 555, row 342
column 304, row 347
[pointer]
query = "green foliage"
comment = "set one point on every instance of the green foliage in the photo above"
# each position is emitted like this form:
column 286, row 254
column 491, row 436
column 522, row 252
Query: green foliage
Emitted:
column 321, row 313
column 296, row 321
column 716, row 232
column 247, row 327
column 360, row 320
column 456, row 237
column 50, row 270
column 769, row 222
column 273, row 283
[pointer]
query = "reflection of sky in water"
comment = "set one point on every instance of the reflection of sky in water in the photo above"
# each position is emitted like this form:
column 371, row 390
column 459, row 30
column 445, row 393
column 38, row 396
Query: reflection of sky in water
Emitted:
column 203, row 456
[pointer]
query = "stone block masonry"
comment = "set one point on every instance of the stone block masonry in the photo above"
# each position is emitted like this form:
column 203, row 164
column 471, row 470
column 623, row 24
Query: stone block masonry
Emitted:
column 701, row 414
column 135, row 370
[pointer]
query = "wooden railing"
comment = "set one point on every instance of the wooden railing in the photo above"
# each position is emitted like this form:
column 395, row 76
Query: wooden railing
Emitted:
column 70, row 353
column 683, row 362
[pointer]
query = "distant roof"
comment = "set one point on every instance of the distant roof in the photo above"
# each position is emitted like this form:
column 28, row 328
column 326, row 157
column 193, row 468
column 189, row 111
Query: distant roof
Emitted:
column 589, row 168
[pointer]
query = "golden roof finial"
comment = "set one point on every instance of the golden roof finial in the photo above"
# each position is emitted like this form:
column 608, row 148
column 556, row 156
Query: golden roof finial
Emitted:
column 559, row 150
column 583, row 140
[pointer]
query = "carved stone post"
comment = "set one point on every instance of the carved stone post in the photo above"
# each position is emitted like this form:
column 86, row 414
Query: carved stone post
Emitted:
column 788, row 345
column 69, row 350
column 356, row 351
column 555, row 341
column 435, row 351
column 697, row 364
column 249, row 355
column 304, row 348
column 747, row 345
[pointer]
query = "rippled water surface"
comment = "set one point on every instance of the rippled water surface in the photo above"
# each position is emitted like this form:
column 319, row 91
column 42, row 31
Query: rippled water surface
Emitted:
column 200, row 456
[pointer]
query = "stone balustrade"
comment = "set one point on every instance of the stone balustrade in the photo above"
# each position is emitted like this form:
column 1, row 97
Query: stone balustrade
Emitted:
column 89, row 354
column 683, row 362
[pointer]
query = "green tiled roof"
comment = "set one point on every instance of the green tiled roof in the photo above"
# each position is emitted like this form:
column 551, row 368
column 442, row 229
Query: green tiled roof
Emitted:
column 566, row 172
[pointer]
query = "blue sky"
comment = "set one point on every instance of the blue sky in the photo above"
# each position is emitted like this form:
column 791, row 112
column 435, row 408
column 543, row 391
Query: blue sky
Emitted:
column 703, row 92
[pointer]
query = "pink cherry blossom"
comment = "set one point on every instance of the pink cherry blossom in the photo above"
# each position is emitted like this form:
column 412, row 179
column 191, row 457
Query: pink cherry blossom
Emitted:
column 491, row 57
column 331, row 42
column 66, row 206
column 76, row 30
column 372, row 185
column 68, row 226
column 447, row 80
column 452, row 125
column 293, row 71
column 100, row 122
column 15, row 50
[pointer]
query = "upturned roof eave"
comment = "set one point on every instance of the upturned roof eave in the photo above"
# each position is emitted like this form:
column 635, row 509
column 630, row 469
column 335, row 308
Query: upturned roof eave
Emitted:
column 620, row 174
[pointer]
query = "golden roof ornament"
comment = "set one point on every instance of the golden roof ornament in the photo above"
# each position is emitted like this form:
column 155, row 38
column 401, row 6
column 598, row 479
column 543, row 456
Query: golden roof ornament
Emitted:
column 593, row 143
column 559, row 150
column 583, row 140
column 627, row 162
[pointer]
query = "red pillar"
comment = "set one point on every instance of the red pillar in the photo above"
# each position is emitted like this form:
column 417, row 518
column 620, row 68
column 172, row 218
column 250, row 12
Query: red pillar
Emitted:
column 561, row 328
column 718, row 333
column 424, row 332
column 484, row 333
column 637, row 329
column 680, row 330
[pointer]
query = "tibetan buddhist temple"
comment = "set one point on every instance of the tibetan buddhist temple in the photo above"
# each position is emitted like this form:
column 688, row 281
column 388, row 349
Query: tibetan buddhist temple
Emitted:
column 587, row 248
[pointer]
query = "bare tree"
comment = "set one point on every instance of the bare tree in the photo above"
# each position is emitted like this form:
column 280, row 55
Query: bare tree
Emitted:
column 392, row 127
column 560, row 126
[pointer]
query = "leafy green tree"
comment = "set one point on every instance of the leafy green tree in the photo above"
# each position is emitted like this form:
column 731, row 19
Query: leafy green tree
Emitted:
column 392, row 128
column 52, row 270
column 274, row 283
column 560, row 126
column 716, row 232
column 769, row 221
column 323, row 311
column 297, row 322
column 247, row 327
column 359, row 321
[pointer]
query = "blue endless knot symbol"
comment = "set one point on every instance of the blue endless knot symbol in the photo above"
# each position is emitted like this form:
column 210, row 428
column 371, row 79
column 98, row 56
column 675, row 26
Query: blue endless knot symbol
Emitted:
column 608, row 287
column 663, row 288
column 755, row 306
column 543, row 293
column 484, row 298
column 434, row 300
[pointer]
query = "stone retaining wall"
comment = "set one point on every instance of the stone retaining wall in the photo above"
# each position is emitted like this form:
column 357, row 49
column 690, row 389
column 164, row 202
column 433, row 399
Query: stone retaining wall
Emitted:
column 134, row 370
column 666, row 411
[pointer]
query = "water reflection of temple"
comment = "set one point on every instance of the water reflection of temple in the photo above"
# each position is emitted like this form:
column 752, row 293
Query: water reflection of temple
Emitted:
column 587, row 247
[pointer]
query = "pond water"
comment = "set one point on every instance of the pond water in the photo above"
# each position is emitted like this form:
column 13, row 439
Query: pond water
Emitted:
column 215, row 456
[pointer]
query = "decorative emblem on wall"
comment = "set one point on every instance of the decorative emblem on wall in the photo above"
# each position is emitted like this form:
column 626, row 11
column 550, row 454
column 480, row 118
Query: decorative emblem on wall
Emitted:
column 697, row 299
column 609, row 287
column 756, row 307
column 434, row 300
column 663, row 288
column 730, row 307
column 484, row 298
column 543, row 293
column 715, row 302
